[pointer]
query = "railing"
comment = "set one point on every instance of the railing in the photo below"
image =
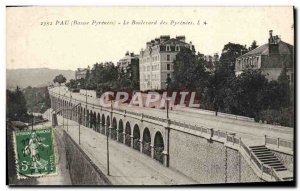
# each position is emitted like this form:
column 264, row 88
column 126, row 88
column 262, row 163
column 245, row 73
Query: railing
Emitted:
column 279, row 142
column 146, row 148
column 264, row 168
column 158, row 153
column 177, row 123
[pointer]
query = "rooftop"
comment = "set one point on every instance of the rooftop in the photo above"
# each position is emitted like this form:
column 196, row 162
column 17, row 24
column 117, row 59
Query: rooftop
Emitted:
column 284, row 48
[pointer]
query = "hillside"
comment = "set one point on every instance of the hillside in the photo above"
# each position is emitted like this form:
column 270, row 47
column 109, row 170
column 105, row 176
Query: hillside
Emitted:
column 34, row 77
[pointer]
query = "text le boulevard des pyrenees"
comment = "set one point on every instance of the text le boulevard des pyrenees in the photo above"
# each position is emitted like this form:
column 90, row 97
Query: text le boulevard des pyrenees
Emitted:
column 124, row 22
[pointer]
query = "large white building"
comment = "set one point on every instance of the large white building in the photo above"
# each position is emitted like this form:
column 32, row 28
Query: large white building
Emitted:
column 156, row 61
column 126, row 61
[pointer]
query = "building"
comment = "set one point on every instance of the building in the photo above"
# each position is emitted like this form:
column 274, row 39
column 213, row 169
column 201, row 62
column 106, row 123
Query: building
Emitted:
column 127, row 60
column 211, row 61
column 156, row 61
column 80, row 73
column 270, row 58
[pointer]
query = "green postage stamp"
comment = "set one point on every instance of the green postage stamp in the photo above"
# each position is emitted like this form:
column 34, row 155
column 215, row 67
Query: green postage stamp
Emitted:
column 34, row 153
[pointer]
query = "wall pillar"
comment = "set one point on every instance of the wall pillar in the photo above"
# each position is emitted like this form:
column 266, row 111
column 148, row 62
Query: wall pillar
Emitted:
column 131, row 141
column 109, row 131
column 141, row 145
column 152, row 151
column 165, row 158
column 105, row 129
column 117, row 135
column 166, row 144
column 124, row 137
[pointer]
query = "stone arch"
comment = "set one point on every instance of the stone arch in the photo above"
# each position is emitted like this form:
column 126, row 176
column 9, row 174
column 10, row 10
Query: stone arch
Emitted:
column 158, row 147
column 146, row 142
column 114, row 129
column 136, row 137
column 120, row 131
column 128, row 134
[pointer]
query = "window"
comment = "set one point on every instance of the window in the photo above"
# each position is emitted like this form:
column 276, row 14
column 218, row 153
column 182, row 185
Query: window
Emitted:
column 168, row 76
column 177, row 48
column 168, row 66
column 168, row 48
column 168, row 57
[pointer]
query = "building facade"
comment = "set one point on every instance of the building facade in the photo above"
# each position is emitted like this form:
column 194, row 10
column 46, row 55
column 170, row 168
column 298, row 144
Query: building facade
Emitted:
column 80, row 73
column 211, row 61
column 270, row 58
column 156, row 61
column 127, row 60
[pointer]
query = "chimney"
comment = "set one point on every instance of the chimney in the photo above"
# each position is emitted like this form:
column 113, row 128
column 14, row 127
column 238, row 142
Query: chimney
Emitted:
column 191, row 45
column 127, row 53
column 164, row 38
column 271, row 34
column 152, row 42
column 157, row 41
column 273, row 43
column 148, row 44
column 181, row 38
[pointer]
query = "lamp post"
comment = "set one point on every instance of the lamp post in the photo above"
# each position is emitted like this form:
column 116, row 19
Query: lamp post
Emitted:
column 79, row 129
column 168, row 83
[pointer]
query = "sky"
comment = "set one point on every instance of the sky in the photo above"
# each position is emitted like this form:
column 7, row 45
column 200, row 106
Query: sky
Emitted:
column 31, row 43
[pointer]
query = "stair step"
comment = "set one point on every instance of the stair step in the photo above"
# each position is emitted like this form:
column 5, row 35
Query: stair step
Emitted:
column 277, row 165
column 259, row 149
column 257, row 146
column 269, row 160
column 265, row 155
column 288, row 178
column 272, row 162
column 262, row 152
column 280, row 169
column 268, row 156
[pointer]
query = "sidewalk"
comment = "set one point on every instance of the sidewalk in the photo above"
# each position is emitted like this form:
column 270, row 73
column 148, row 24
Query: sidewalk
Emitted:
column 127, row 166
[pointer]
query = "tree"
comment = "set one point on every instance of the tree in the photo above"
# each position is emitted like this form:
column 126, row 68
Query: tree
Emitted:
column 229, row 53
column 223, row 76
column 59, row 79
column 284, row 82
column 253, row 45
column 16, row 105
column 189, row 72
column 133, row 73
column 250, row 88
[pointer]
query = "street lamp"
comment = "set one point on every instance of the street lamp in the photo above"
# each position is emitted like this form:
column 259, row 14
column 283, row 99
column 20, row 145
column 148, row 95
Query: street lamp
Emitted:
column 168, row 83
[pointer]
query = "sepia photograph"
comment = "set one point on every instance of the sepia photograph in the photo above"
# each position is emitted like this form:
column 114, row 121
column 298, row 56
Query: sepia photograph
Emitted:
column 150, row 96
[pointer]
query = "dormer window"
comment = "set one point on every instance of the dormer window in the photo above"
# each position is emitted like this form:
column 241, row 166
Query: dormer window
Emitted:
column 177, row 48
column 168, row 48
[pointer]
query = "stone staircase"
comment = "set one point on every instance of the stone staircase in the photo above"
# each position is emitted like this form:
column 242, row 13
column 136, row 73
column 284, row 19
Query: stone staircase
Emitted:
column 267, row 157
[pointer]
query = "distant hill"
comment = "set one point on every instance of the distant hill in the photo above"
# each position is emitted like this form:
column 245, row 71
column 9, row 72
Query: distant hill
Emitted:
column 34, row 77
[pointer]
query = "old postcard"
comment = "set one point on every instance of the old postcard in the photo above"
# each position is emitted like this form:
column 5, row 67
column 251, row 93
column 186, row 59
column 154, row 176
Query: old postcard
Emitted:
column 150, row 96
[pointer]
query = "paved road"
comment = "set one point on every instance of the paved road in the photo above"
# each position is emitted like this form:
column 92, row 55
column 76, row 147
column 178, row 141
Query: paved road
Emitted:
column 252, row 133
column 127, row 166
